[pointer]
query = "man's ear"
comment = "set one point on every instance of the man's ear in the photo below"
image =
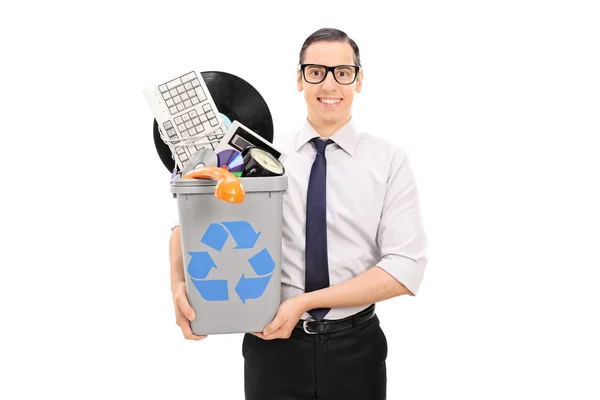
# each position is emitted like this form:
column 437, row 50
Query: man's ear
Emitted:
column 299, row 80
column 359, row 79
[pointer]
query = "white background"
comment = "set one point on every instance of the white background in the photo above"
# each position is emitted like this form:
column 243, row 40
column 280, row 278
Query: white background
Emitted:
column 496, row 102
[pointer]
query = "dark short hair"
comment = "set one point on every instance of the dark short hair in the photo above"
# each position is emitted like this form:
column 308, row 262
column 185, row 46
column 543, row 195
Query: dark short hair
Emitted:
column 330, row 35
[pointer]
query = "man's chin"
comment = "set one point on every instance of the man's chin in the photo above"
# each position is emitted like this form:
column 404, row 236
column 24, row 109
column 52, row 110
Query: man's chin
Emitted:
column 333, row 118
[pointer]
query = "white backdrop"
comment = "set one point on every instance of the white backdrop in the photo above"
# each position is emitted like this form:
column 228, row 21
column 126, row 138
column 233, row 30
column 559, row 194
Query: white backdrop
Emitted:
column 496, row 102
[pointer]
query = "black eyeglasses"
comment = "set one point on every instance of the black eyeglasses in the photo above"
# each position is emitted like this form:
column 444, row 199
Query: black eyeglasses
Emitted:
column 316, row 73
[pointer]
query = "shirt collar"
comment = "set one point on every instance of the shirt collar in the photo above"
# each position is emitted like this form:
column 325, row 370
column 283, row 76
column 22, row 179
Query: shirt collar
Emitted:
column 346, row 137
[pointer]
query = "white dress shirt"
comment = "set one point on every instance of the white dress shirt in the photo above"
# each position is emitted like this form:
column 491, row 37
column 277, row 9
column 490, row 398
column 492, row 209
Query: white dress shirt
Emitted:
column 373, row 211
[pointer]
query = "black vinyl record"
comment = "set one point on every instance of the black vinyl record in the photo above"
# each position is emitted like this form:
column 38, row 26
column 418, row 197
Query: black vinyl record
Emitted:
column 234, row 98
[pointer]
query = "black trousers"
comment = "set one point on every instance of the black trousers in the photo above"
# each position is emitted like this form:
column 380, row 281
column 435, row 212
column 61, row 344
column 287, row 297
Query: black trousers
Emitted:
column 347, row 365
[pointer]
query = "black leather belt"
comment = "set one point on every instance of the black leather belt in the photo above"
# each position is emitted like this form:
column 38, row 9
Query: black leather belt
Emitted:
column 329, row 326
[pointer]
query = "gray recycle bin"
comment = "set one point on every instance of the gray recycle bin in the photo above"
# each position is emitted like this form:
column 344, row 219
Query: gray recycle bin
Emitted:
column 231, row 253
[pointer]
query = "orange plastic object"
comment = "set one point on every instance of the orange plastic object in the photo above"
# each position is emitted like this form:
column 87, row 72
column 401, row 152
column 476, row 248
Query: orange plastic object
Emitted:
column 229, row 187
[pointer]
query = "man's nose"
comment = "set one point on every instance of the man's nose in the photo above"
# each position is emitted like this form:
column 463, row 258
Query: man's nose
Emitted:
column 329, row 82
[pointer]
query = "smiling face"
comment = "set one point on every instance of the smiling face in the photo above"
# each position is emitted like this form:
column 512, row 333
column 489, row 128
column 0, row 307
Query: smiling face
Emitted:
column 329, row 103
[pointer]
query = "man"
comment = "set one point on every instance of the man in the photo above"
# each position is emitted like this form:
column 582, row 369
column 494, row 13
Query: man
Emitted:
column 352, row 237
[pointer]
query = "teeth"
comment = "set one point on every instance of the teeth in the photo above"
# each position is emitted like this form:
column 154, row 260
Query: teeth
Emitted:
column 330, row 101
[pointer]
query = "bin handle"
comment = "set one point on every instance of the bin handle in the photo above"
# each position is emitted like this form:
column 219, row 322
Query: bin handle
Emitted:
column 229, row 187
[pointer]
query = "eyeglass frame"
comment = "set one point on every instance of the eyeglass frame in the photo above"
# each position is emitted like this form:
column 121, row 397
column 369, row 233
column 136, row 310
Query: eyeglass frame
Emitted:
column 302, row 68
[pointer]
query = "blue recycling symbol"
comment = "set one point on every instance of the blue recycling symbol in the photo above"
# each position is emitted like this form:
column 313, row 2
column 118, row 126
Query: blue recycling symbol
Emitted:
column 201, row 263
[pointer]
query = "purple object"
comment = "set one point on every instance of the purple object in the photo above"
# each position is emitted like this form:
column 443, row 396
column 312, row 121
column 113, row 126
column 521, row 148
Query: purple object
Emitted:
column 232, row 159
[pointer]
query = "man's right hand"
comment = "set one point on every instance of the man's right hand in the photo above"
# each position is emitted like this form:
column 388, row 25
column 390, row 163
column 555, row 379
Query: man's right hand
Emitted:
column 183, row 311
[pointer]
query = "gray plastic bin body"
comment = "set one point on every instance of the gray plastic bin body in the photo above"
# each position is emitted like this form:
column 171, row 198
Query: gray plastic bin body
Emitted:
column 231, row 253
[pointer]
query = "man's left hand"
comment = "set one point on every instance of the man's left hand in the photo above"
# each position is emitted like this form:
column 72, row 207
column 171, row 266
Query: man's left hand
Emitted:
column 285, row 320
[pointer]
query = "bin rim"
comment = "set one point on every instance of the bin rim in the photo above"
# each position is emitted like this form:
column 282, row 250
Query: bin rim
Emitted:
column 250, row 184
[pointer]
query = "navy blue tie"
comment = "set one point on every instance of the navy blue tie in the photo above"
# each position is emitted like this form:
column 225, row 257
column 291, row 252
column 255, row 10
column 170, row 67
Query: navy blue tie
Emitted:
column 317, row 268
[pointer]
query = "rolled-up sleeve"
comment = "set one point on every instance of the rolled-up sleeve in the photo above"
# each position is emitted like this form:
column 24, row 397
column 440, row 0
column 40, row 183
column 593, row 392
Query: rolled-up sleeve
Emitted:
column 401, row 235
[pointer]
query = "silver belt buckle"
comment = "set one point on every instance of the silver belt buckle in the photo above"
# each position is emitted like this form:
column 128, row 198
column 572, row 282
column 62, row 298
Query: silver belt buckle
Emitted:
column 306, row 321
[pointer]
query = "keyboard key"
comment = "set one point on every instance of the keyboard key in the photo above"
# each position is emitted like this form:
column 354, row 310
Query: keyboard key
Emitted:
column 170, row 103
column 188, row 77
column 177, row 99
column 195, row 100
column 184, row 96
column 185, row 117
column 210, row 114
column 189, row 125
column 195, row 83
column 199, row 129
column 178, row 120
column 180, row 89
column 201, row 94
column 173, row 92
column 193, row 113
column 173, row 110
column 187, row 104
column 214, row 122
column 181, row 127
column 174, row 83
column 188, row 86
column 206, row 108
column 203, row 118
column 166, row 95
column 171, row 133
column 196, row 121
column 180, row 107
column 163, row 88
column 168, row 125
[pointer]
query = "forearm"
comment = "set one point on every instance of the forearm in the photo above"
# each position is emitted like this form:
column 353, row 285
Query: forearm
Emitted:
column 370, row 287
column 176, row 257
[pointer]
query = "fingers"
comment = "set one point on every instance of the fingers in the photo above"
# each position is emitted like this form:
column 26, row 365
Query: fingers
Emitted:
column 184, row 324
column 280, row 334
column 284, row 332
column 182, row 303
column 183, row 315
column 274, row 326
column 187, row 331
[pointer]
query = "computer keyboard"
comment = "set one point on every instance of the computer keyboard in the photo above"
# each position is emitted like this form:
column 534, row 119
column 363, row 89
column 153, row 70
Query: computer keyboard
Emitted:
column 187, row 116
